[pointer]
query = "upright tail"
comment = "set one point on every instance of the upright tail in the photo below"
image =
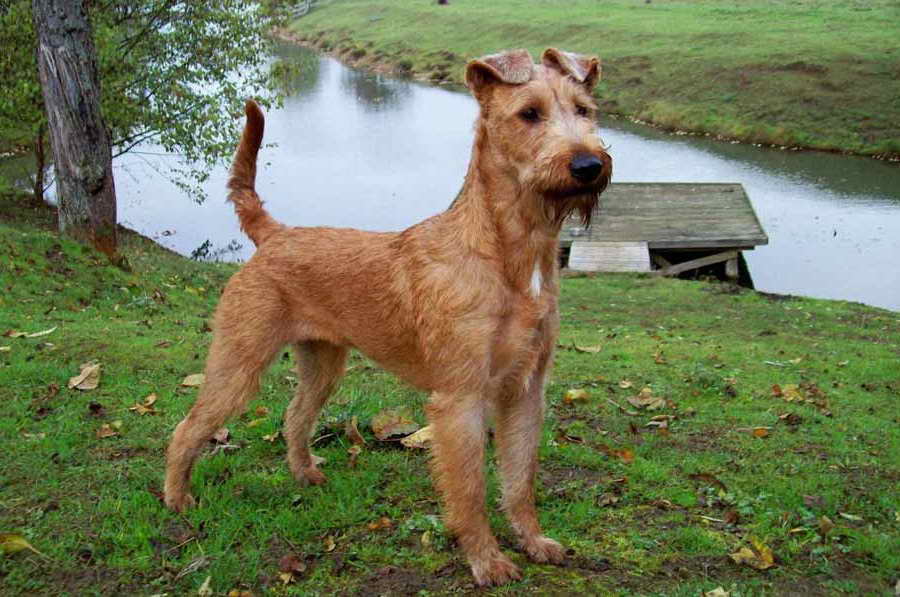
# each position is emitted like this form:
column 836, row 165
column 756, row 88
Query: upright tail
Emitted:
column 255, row 220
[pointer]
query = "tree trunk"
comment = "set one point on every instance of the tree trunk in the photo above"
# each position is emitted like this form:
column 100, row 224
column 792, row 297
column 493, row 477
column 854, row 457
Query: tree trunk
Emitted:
column 67, row 66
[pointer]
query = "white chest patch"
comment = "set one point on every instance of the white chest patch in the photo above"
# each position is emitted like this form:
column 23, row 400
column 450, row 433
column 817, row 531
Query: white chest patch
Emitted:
column 537, row 281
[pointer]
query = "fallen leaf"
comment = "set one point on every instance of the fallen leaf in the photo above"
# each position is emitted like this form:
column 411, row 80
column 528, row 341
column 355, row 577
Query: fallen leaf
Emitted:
column 851, row 517
column 5, row 348
column 262, row 411
column 574, row 395
column 607, row 499
column 11, row 543
column 717, row 592
column 256, row 422
column 814, row 501
column 328, row 544
column 646, row 399
column 659, row 359
column 145, row 407
column 426, row 539
column 272, row 437
column 354, row 451
column 193, row 381
column 759, row 557
column 221, row 436
column 389, row 424
column 420, row 439
column 240, row 593
column 825, row 525
column 353, row 434
column 625, row 384
column 291, row 564
column 42, row 333
column 88, row 379
column 732, row 517
column 589, row 349
column 286, row 577
column 382, row 523
column 108, row 430
column 205, row 589
column 760, row 432
column 14, row 334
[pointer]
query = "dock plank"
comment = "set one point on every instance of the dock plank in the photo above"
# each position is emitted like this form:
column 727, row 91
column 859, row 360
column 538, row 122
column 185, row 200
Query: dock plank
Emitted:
column 672, row 216
column 589, row 256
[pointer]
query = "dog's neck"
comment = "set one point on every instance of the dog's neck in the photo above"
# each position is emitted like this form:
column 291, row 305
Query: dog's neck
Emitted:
column 504, row 220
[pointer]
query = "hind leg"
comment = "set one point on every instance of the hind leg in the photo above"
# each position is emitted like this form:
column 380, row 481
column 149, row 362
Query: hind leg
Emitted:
column 240, row 352
column 320, row 366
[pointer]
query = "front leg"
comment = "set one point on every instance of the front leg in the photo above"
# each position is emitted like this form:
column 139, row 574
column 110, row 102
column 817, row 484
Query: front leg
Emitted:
column 458, row 466
column 519, row 421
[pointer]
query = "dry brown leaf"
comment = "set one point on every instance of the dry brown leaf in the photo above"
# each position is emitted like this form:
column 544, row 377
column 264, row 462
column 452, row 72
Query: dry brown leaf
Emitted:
column 391, row 424
column 87, row 379
column 760, row 432
column 14, row 334
column 11, row 543
column 221, row 436
column 353, row 434
column 261, row 411
column 145, row 407
column 717, row 592
column 646, row 399
column 825, row 525
column 354, row 451
column 575, row 395
column 759, row 557
column 420, row 439
column 382, row 523
column 291, row 564
column 256, row 422
column 328, row 544
column 109, row 429
column 240, row 593
column 625, row 384
column 194, row 380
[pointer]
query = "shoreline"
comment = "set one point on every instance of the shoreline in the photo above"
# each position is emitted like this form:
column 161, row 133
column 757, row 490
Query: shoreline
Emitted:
column 444, row 68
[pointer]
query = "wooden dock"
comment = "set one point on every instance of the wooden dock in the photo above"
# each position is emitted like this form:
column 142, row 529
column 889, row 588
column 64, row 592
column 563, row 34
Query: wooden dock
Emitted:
column 667, row 228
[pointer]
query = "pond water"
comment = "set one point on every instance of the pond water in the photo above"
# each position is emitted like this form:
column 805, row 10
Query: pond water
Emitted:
column 361, row 150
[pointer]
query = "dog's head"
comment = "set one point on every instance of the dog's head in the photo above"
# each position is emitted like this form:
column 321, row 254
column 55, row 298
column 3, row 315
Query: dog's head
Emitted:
column 540, row 121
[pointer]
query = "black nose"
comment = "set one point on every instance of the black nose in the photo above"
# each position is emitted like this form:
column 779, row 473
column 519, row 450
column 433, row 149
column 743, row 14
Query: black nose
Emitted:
column 585, row 167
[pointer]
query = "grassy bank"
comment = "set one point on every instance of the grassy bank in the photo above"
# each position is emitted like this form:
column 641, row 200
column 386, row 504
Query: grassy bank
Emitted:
column 808, row 469
column 809, row 73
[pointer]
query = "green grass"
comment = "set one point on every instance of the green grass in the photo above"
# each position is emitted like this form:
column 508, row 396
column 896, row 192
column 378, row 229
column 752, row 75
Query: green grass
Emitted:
column 808, row 73
column 90, row 505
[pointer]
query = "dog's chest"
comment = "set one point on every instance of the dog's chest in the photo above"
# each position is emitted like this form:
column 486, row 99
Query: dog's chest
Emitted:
column 519, row 331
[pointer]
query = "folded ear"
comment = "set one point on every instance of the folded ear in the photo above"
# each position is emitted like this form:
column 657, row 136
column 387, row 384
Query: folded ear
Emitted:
column 513, row 67
column 584, row 69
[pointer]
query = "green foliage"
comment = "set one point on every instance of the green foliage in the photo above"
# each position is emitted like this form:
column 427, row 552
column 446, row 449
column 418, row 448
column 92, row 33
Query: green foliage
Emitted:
column 175, row 73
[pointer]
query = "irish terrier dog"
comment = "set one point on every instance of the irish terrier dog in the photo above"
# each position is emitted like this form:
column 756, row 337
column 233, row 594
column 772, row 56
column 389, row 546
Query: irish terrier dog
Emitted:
column 462, row 305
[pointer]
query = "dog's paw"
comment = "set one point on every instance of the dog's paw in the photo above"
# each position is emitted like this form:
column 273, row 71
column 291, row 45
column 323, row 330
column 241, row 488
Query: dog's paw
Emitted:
column 180, row 502
column 309, row 475
column 494, row 568
column 544, row 550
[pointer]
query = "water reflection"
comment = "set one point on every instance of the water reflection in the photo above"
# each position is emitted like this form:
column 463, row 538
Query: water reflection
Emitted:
column 361, row 150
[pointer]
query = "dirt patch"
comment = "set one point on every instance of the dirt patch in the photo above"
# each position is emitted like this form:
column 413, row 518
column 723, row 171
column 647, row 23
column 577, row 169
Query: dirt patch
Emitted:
column 391, row 580
column 803, row 67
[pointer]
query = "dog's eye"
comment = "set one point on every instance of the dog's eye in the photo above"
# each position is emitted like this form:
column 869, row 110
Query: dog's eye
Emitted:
column 530, row 115
column 581, row 110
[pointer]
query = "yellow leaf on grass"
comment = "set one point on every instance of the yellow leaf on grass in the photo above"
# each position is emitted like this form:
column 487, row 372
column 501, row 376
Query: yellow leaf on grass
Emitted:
column 589, row 349
column 11, row 543
column 193, row 381
column 88, row 379
column 392, row 423
column 759, row 557
column 575, row 395
column 41, row 333
column 420, row 439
